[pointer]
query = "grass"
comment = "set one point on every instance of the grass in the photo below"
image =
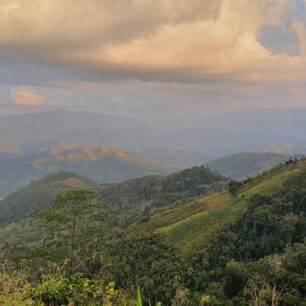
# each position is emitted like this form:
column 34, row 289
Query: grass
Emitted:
column 175, row 215
column 196, row 230
column 195, row 224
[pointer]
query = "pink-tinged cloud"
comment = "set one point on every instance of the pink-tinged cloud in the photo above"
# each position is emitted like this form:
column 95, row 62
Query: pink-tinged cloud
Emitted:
column 28, row 99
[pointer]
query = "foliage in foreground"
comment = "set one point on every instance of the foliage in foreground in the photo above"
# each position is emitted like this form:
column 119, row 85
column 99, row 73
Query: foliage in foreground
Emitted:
column 54, row 288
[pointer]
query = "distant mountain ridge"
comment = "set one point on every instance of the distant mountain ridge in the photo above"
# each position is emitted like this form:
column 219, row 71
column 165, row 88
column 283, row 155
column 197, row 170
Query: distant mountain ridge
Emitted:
column 33, row 131
column 242, row 165
column 102, row 164
column 178, row 156
column 286, row 148
column 93, row 154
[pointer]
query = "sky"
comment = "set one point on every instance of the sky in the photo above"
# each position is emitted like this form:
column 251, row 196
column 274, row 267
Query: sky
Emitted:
column 169, row 58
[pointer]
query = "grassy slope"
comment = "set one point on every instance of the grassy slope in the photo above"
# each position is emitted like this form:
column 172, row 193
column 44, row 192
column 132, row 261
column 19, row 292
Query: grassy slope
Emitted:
column 195, row 224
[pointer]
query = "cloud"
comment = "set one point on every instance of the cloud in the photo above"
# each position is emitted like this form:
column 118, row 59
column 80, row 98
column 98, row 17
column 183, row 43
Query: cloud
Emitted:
column 28, row 99
column 300, row 29
column 166, row 40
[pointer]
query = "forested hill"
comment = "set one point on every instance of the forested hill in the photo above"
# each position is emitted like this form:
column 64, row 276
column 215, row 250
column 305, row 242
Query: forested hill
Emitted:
column 147, row 195
column 39, row 194
column 238, row 247
column 243, row 165
column 131, row 199
column 190, row 225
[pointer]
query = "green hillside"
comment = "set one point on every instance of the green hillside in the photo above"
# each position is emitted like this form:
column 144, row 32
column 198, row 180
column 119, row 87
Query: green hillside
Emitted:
column 193, row 225
column 151, row 194
column 39, row 194
column 131, row 200
column 226, row 244
column 242, row 165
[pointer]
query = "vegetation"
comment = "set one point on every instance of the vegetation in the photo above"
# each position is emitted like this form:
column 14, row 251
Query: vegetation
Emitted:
column 39, row 194
column 132, row 200
column 242, row 246
column 74, row 217
column 142, row 197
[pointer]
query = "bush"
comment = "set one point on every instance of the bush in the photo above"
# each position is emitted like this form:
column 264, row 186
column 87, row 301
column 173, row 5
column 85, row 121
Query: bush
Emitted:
column 58, row 290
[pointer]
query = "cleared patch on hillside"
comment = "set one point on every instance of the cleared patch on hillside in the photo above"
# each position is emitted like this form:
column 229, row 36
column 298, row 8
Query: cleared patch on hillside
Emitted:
column 194, row 225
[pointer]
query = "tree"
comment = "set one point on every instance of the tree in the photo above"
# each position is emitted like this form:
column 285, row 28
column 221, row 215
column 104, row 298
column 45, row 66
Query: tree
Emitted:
column 233, row 187
column 73, row 218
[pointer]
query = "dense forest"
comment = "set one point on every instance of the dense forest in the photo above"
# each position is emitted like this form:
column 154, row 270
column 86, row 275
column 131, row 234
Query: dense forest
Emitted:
column 192, row 238
column 131, row 199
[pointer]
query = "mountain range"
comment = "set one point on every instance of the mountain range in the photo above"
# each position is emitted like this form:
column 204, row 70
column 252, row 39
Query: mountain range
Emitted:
column 113, row 164
column 215, row 137
column 177, row 156
column 242, row 165
column 33, row 131
column 286, row 148
column 101, row 147
column 103, row 164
